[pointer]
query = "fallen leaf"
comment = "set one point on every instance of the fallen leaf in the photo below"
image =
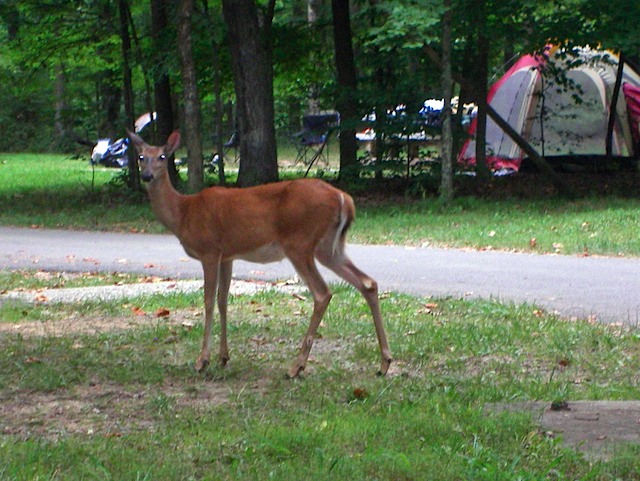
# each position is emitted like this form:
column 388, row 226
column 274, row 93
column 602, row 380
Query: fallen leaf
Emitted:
column 41, row 298
column 162, row 312
column 360, row 393
column 137, row 311
column 151, row 280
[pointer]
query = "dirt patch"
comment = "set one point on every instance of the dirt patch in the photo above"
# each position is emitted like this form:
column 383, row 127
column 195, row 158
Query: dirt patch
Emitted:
column 105, row 410
column 92, row 325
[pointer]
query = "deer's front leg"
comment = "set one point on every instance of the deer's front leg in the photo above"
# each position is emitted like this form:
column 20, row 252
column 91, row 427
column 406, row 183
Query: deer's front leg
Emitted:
column 210, row 269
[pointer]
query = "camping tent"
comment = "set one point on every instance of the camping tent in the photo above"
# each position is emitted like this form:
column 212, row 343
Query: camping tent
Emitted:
column 559, row 102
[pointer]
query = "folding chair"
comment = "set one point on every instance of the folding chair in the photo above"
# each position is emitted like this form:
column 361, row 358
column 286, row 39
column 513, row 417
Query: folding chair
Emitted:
column 233, row 143
column 311, row 142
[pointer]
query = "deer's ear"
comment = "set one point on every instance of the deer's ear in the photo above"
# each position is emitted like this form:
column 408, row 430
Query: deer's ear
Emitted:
column 137, row 141
column 172, row 143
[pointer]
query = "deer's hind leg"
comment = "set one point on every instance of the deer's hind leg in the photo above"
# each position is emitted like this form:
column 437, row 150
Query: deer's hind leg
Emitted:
column 224, row 283
column 339, row 262
column 306, row 268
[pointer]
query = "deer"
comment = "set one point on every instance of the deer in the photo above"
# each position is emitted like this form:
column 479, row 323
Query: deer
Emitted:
column 303, row 220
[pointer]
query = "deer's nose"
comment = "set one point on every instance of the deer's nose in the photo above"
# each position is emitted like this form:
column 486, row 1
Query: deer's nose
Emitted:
column 146, row 177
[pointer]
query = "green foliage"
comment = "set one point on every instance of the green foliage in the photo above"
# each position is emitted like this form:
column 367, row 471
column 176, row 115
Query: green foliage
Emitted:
column 56, row 58
column 76, row 46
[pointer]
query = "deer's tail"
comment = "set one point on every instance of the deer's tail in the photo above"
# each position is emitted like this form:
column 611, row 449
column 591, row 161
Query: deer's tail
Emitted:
column 346, row 217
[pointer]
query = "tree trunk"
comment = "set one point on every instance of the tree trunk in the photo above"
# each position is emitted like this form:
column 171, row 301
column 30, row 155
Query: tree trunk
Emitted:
column 446, row 182
column 313, row 102
column 481, row 91
column 346, row 101
column 60, row 105
column 249, row 34
column 127, row 88
column 192, row 121
column 162, row 85
column 217, row 95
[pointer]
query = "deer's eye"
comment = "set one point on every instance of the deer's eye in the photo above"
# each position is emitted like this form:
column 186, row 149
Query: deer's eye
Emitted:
column 163, row 157
column 141, row 157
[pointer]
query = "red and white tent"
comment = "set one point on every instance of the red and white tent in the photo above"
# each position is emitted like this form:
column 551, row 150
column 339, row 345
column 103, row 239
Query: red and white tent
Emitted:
column 560, row 115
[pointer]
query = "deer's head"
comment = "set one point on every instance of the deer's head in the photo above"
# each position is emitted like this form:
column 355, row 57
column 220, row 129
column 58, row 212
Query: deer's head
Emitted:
column 152, row 159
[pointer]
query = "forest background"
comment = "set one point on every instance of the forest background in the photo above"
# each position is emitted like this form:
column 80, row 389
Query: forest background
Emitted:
column 76, row 71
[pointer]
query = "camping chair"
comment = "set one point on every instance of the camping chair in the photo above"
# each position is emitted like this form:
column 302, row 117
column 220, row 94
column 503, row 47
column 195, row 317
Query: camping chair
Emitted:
column 233, row 143
column 311, row 142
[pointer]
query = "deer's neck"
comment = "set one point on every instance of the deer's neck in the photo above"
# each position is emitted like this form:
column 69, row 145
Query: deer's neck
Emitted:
column 166, row 202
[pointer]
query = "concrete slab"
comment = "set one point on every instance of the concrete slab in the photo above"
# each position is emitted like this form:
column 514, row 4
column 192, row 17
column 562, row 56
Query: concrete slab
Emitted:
column 595, row 428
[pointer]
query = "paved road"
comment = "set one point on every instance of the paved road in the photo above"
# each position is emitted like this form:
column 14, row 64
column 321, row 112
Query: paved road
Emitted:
column 606, row 288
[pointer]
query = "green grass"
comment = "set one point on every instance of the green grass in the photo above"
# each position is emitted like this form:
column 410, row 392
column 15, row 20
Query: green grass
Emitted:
column 127, row 404
column 585, row 226
column 56, row 192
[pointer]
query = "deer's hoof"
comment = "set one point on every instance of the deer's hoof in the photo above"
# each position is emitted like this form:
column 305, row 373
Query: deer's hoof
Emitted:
column 384, row 367
column 202, row 364
column 223, row 360
column 295, row 371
